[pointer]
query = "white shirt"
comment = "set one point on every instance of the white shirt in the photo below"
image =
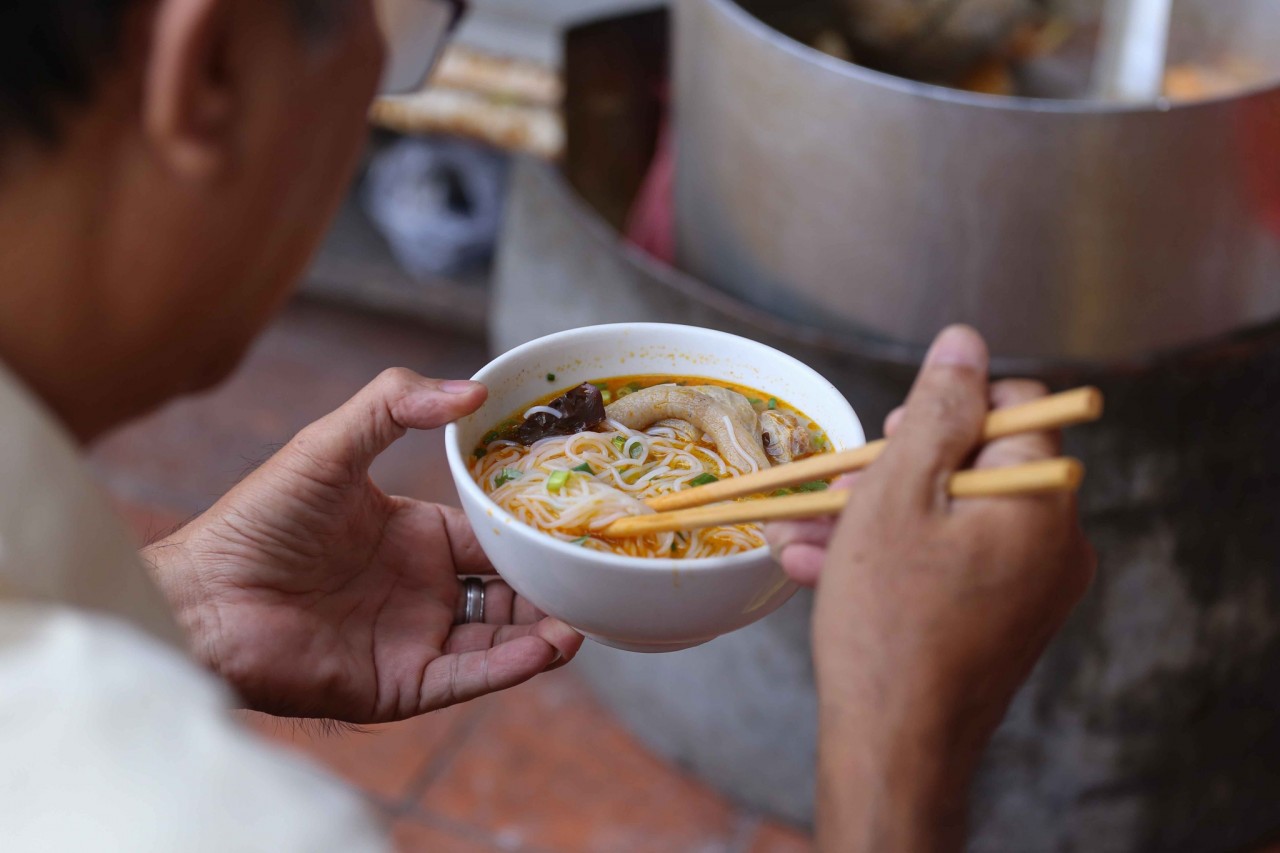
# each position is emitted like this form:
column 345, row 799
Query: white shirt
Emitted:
column 110, row 738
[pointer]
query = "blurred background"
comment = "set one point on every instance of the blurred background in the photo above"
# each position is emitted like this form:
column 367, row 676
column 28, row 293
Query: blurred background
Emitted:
column 838, row 179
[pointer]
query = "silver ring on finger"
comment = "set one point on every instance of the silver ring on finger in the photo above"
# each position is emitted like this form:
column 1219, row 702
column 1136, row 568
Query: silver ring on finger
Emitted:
column 471, row 602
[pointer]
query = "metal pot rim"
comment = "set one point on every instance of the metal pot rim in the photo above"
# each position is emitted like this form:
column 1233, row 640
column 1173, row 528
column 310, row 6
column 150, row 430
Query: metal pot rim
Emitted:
column 1001, row 103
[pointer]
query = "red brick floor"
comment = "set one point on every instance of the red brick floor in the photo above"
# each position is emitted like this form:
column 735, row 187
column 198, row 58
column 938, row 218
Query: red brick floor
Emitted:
column 540, row 768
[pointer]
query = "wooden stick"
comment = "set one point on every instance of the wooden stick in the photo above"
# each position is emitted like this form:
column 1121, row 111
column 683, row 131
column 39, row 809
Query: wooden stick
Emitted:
column 1045, row 477
column 1082, row 405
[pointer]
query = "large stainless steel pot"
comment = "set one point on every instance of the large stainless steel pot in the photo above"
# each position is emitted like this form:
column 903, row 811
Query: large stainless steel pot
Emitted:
column 855, row 201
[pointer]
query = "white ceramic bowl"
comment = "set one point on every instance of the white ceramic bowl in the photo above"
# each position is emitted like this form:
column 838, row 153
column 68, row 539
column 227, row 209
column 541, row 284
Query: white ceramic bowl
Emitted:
column 627, row 602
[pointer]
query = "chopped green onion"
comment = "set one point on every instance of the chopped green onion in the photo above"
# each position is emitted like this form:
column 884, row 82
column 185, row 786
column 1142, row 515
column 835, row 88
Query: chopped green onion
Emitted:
column 508, row 475
column 490, row 438
column 636, row 451
column 634, row 387
column 481, row 452
column 773, row 403
column 585, row 468
column 557, row 481
column 753, row 401
column 619, row 442
column 781, row 493
column 622, row 392
column 551, row 377
column 704, row 480
column 583, row 541
column 607, row 396
column 816, row 486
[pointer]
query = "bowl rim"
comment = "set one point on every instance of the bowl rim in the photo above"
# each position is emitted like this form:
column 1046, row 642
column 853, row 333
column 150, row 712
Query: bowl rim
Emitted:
column 465, row 482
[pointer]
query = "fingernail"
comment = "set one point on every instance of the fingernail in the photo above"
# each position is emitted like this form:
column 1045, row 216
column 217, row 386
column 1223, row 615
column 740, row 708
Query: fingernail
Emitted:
column 958, row 346
column 458, row 386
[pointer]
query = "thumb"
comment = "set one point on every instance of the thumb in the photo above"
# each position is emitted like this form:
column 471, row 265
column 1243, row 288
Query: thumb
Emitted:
column 943, row 417
column 397, row 401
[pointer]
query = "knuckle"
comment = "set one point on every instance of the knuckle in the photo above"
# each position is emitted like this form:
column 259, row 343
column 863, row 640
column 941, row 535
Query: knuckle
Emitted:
column 394, row 381
column 1019, row 450
column 942, row 420
column 952, row 397
column 1034, row 523
column 953, row 376
column 1009, row 391
column 944, row 409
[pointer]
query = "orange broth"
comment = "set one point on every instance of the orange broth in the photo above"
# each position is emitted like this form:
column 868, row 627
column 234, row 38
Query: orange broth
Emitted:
column 683, row 544
column 617, row 387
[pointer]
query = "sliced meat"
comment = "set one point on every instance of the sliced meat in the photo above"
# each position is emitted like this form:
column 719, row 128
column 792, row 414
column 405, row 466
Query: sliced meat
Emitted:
column 724, row 415
column 785, row 438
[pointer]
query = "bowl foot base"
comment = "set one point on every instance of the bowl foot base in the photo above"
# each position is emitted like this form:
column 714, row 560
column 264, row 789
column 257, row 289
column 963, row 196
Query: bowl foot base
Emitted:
column 647, row 648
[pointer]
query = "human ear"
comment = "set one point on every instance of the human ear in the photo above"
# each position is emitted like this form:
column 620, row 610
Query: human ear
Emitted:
column 189, row 98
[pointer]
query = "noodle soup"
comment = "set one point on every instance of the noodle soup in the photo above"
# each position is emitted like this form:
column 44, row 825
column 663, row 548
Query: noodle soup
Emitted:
column 578, row 460
column 650, row 603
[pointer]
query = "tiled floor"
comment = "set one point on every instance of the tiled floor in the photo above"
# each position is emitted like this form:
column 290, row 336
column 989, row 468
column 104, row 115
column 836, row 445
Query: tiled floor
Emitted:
column 540, row 768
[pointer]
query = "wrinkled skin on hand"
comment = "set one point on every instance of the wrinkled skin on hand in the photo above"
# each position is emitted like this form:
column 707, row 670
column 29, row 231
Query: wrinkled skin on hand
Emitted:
column 930, row 612
column 315, row 594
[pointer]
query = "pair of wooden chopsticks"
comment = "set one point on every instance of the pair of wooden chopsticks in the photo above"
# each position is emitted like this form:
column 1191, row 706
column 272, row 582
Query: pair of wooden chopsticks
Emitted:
column 689, row 510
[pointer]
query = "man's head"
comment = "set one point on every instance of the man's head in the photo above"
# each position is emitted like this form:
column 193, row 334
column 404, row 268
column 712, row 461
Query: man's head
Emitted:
column 52, row 51
column 167, row 167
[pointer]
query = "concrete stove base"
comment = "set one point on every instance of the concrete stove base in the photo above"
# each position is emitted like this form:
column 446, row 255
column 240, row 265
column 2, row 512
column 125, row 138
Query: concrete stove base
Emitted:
column 1152, row 723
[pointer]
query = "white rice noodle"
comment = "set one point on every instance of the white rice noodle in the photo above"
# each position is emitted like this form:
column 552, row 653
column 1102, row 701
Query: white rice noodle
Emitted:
column 617, row 488
column 543, row 410
column 633, row 442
